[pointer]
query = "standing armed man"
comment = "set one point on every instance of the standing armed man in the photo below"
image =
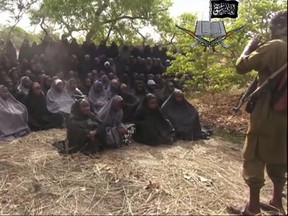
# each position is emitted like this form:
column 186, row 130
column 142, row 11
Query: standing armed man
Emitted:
column 266, row 140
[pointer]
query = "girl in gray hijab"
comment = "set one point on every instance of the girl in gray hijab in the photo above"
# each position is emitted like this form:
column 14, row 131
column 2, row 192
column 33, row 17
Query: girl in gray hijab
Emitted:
column 58, row 99
column 13, row 117
column 111, row 114
column 113, row 89
column 23, row 88
column 112, row 117
column 24, row 85
column 106, row 83
column 97, row 96
column 72, row 89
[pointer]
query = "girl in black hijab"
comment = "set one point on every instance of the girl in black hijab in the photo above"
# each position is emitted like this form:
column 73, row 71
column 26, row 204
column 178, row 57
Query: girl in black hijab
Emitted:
column 39, row 116
column 151, row 126
column 130, row 103
column 24, row 52
column 85, row 133
column 167, row 90
column 139, row 90
column 86, row 86
column 112, row 51
column 147, row 51
column 10, row 86
column 10, row 51
column 47, row 82
column 183, row 116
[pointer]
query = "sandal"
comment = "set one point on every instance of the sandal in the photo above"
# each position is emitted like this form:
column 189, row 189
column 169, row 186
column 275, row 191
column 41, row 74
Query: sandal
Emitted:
column 241, row 210
column 269, row 207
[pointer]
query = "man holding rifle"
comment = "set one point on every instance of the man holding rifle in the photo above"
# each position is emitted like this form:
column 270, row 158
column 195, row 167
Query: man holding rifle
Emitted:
column 266, row 139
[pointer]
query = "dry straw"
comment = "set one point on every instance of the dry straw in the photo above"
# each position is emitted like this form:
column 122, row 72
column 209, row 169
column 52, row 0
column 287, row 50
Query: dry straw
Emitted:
column 198, row 178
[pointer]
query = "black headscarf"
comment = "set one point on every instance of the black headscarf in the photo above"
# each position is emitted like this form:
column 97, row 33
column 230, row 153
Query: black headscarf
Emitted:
column 34, row 49
column 156, row 52
column 151, row 126
column 112, row 51
column 78, row 127
column 74, row 48
column 45, row 87
column 36, row 104
column 135, row 52
column 39, row 116
column 140, row 94
column 147, row 51
column 24, row 51
column 76, row 111
column 130, row 104
column 143, row 108
column 183, row 116
column 102, row 49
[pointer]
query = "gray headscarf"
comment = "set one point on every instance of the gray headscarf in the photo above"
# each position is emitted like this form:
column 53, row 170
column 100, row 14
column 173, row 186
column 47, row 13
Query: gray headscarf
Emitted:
column 58, row 101
column 21, row 88
column 108, row 116
column 97, row 99
column 13, row 116
column 68, row 88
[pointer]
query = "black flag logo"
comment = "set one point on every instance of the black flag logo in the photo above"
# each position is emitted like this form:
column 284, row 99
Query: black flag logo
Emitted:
column 224, row 8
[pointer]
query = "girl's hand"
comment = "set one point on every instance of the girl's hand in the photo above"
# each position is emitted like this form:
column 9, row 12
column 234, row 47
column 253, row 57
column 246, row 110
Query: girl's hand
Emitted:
column 92, row 134
column 122, row 130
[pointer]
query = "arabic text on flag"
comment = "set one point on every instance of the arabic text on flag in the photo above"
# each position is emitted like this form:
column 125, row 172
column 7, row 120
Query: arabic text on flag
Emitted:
column 222, row 9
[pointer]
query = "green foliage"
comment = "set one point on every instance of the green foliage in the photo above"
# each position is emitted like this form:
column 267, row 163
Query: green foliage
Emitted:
column 122, row 21
column 118, row 20
column 216, row 71
column 17, row 36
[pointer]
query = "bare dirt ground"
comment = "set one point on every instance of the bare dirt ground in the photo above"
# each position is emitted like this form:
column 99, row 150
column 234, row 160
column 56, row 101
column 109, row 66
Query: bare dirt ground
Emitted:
column 195, row 178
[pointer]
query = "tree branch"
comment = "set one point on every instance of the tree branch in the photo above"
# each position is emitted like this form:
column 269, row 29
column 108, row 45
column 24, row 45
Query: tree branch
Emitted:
column 121, row 36
column 22, row 9
column 125, row 17
column 170, row 42
column 11, row 29
column 109, row 32
column 143, row 37
column 42, row 26
column 102, row 7
column 67, row 26
column 135, row 17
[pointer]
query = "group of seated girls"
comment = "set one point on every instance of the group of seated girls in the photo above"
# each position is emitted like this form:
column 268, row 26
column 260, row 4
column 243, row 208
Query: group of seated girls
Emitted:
column 108, row 117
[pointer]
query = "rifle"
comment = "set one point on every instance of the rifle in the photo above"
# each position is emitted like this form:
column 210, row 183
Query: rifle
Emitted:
column 199, row 39
column 253, row 92
column 244, row 98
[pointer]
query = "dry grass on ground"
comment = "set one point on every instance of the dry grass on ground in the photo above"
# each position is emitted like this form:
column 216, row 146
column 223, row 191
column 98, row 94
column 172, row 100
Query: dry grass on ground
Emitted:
column 216, row 111
column 202, row 177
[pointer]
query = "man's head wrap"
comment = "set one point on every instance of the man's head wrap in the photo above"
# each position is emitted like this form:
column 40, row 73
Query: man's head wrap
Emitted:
column 278, row 24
